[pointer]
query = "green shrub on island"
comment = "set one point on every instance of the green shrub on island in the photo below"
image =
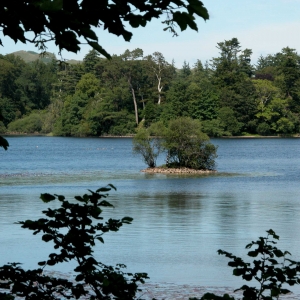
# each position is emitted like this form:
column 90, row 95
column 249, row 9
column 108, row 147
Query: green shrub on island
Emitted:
column 187, row 146
column 148, row 143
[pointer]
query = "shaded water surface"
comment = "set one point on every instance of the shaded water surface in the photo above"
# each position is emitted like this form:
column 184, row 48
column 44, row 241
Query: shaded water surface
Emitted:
column 179, row 221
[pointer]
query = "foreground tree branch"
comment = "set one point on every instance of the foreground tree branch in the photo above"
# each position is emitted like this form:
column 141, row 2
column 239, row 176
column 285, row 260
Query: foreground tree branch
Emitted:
column 68, row 22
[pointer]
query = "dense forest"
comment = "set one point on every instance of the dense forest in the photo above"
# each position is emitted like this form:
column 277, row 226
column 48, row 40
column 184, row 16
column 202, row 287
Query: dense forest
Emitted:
column 228, row 94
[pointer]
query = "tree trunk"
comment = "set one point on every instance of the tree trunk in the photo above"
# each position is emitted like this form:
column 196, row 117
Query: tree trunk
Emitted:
column 159, row 88
column 135, row 105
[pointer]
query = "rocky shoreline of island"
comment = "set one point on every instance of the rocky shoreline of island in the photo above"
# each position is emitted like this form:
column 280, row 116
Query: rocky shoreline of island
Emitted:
column 165, row 170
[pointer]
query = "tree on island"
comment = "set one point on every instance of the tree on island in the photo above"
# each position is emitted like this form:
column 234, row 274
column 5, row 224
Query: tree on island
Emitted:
column 148, row 143
column 183, row 141
column 188, row 146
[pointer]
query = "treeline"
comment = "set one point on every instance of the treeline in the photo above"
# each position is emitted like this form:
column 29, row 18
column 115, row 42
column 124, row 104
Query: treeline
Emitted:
column 228, row 94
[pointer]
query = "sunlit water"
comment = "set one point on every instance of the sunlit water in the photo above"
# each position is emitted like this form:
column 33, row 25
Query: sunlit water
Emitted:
column 179, row 221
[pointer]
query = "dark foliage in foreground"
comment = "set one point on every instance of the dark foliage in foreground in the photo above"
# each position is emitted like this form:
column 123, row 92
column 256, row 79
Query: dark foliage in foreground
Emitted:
column 272, row 270
column 74, row 229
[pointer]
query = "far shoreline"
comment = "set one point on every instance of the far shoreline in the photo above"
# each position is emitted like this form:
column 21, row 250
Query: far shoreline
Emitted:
column 296, row 136
column 259, row 137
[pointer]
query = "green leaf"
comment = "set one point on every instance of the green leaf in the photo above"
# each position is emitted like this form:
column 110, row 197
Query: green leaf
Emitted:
column 60, row 197
column 79, row 198
column 273, row 261
column 127, row 35
column 16, row 33
column 97, row 47
column 47, row 197
column 105, row 203
column 136, row 21
column 273, row 234
column 248, row 277
column 248, row 246
column 106, row 189
column 112, row 186
column 285, row 291
column 211, row 296
column 252, row 253
column 278, row 253
column 87, row 32
column 100, row 239
column 180, row 19
column 79, row 277
column 103, row 189
column 47, row 237
column 27, row 222
column 127, row 220
column 53, row 5
column 50, row 262
column 238, row 272
column 3, row 143
column 198, row 8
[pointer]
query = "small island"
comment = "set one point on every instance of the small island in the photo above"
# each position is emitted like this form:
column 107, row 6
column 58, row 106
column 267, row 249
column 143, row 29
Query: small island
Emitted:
column 188, row 150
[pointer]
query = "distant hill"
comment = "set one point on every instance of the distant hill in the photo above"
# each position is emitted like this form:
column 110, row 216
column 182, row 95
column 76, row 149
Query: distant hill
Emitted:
column 73, row 61
column 29, row 56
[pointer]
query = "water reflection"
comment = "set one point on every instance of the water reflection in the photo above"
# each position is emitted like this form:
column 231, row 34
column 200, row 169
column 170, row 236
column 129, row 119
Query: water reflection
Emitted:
column 173, row 201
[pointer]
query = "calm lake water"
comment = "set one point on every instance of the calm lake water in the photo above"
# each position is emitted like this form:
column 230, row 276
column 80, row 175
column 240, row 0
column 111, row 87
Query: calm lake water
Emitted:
column 179, row 221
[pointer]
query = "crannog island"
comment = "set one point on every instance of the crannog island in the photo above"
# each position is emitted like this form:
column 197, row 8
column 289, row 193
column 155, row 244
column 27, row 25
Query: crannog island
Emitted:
column 188, row 150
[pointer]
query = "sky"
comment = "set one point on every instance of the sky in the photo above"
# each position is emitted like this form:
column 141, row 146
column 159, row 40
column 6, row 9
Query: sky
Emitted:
column 264, row 26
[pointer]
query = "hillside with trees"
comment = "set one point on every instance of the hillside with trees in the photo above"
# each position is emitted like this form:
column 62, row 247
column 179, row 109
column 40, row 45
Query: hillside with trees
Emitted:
column 228, row 94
